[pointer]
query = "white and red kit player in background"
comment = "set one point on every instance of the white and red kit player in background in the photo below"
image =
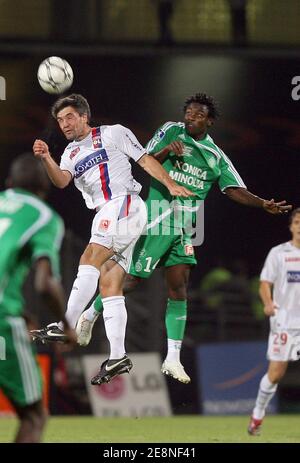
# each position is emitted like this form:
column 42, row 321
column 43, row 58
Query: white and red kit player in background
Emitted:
column 281, row 273
column 98, row 161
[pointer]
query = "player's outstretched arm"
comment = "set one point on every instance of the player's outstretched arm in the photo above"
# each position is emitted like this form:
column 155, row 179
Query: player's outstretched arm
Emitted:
column 243, row 196
column 60, row 178
column 153, row 167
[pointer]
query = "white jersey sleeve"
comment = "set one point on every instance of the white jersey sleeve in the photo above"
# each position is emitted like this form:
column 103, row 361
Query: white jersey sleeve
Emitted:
column 270, row 268
column 127, row 142
column 66, row 162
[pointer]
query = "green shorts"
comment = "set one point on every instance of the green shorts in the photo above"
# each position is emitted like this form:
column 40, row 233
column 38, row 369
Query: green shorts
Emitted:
column 153, row 251
column 20, row 376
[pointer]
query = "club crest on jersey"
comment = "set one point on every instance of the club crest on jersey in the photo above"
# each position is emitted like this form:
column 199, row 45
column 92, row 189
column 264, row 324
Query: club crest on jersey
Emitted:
column 74, row 152
column 211, row 162
column 138, row 266
column 188, row 250
column 160, row 134
column 104, row 224
column 96, row 137
column 97, row 143
column 187, row 151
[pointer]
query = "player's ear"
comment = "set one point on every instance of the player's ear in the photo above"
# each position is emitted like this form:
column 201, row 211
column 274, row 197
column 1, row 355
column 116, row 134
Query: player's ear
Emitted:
column 210, row 122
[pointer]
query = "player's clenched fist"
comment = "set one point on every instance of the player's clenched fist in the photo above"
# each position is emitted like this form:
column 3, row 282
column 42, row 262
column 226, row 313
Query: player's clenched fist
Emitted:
column 40, row 149
column 177, row 147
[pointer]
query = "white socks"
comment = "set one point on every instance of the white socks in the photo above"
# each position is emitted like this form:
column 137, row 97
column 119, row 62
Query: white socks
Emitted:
column 83, row 290
column 174, row 348
column 115, row 319
column 265, row 393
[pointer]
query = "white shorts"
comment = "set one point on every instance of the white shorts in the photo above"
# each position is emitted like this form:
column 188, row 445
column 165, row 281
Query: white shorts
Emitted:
column 118, row 225
column 284, row 344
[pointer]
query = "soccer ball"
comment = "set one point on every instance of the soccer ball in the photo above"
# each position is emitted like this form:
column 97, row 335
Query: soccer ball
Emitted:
column 55, row 75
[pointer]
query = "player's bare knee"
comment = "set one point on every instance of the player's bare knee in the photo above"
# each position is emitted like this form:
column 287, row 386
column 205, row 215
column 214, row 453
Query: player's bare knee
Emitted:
column 275, row 379
column 276, row 373
column 178, row 294
column 276, row 376
column 95, row 255
column 110, row 292
column 35, row 416
column 130, row 283
column 38, row 420
column 109, row 287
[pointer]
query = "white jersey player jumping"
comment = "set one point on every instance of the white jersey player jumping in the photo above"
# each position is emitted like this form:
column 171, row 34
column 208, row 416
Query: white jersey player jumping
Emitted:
column 281, row 272
column 98, row 161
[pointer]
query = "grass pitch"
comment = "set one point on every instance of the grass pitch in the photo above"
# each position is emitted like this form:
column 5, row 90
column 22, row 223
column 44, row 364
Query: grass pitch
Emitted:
column 184, row 429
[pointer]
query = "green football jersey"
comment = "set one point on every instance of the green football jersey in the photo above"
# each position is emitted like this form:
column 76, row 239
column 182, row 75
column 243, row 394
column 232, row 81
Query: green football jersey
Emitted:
column 29, row 229
column 202, row 164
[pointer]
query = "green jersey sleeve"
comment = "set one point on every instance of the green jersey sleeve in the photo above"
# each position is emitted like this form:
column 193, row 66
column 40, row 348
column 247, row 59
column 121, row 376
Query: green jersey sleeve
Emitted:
column 229, row 175
column 46, row 242
column 164, row 136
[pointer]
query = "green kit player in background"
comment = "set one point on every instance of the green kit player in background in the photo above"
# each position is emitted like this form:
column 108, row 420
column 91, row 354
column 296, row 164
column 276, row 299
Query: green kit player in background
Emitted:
column 30, row 234
column 193, row 160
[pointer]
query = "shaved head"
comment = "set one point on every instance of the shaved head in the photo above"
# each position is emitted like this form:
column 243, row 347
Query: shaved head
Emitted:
column 27, row 172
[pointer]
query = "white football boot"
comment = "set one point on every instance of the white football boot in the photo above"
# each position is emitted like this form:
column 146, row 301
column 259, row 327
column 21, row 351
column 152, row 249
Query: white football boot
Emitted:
column 84, row 330
column 176, row 370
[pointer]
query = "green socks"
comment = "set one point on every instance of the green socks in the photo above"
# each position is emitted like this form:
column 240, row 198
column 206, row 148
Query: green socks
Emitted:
column 176, row 319
column 98, row 306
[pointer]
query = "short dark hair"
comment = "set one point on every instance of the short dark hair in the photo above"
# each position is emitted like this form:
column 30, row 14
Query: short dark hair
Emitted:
column 203, row 98
column 293, row 214
column 27, row 172
column 75, row 100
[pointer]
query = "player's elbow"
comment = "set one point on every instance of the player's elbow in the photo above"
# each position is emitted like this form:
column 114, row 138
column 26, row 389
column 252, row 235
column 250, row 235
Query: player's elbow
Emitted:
column 233, row 192
column 61, row 183
column 42, row 286
column 62, row 179
column 61, row 186
column 43, row 275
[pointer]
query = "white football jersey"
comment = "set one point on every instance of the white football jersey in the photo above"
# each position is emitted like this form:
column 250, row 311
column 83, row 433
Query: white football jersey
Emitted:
column 282, row 268
column 100, row 165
